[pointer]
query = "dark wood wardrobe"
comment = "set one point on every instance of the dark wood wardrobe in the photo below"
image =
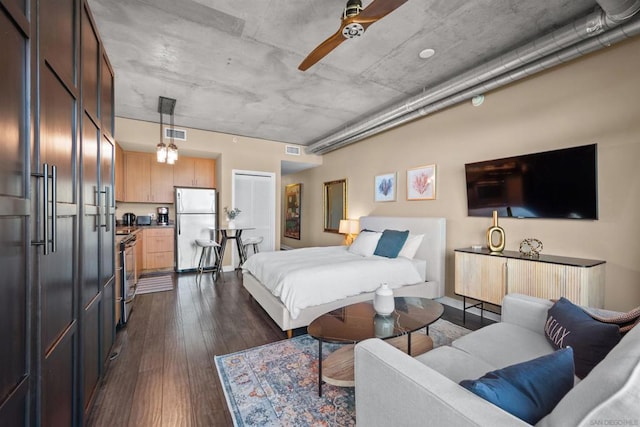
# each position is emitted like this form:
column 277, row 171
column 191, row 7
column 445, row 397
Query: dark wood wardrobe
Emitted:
column 56, row 212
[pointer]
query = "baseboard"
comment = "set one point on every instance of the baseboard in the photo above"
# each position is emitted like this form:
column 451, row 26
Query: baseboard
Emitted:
column 228, row 268
column 456, row 303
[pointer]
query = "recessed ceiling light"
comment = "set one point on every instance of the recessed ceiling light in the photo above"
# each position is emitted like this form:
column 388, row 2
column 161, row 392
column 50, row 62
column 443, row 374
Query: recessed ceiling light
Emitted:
column 427, row 53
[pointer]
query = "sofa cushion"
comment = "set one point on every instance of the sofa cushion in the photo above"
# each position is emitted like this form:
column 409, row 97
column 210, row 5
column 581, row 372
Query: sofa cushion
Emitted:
column 591, row 340
column 503, row 344
column 610, row 392
column 454, row 364
column 390, row 243
column 528, row 390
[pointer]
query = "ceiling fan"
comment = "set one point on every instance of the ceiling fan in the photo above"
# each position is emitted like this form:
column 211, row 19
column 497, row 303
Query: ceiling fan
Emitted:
column 355, row 20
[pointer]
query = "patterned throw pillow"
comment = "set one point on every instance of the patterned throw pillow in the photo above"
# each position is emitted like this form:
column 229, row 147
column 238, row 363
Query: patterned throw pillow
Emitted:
column 570, row 326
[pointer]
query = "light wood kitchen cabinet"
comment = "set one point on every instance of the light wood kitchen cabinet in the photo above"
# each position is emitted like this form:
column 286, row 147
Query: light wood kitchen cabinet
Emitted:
column 194, row 172
column 137, row 176
column 119, row 174
column 487, row 277
column 158, row 248
column 146, row 180
column 161, row 184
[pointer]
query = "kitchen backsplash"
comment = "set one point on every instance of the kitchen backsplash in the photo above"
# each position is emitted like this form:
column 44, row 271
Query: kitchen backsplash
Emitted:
column 140, row 209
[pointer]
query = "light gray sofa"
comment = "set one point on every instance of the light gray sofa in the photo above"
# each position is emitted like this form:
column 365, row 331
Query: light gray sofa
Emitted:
column 394, row 389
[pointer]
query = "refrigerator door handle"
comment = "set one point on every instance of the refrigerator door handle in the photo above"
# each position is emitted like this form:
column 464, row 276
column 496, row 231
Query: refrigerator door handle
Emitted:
column 179, row 224
column 179, row 197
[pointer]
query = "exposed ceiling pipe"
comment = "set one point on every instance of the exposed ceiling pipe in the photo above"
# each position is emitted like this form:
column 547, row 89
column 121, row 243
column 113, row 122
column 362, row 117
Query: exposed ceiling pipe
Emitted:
column 611, row 37
column 619, row 10
column 585, row 28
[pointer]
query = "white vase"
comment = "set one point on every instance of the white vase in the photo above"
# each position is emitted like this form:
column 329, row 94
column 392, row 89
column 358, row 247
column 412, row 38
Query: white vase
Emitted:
column 383, row 302
column 231, row 223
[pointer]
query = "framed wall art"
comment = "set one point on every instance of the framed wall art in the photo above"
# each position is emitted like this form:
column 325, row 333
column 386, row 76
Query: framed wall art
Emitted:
column 421, row 183
column 293, row 201
column 385, row 187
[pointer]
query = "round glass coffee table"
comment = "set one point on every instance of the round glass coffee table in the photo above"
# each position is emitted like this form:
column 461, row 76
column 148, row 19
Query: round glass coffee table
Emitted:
column 357, row 322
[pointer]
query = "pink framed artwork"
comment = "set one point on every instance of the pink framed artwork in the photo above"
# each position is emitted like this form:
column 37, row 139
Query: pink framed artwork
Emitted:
column 421, row 183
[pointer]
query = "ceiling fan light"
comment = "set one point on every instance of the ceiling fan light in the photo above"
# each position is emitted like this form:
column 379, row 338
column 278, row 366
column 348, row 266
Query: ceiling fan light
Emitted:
column 353, row 8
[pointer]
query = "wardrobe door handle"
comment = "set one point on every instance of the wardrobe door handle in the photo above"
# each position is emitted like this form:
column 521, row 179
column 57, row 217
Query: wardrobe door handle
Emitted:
column 54, row 209
column 107, row 208
column 45, row 209
column 97, row 222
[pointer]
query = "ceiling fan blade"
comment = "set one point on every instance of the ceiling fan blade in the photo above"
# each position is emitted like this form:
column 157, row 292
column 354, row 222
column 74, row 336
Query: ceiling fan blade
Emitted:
column 322, row 50
column 377, row 10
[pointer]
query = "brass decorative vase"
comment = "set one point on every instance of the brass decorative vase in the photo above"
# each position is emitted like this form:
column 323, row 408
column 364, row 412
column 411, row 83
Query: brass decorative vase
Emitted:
column 495, row 228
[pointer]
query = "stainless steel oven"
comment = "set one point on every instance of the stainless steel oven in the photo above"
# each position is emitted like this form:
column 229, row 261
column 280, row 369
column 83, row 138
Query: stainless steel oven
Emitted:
column 128, row 277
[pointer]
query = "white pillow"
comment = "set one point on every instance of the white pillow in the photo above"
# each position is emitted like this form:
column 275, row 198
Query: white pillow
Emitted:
column 365, row 244
column 411, row 246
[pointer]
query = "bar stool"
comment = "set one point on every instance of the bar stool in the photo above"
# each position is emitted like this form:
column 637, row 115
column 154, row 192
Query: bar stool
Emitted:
column 207, row 246
column 252, row 241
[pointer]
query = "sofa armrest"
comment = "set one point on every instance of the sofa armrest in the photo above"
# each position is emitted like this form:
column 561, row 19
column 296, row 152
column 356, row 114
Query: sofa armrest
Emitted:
column 525, row 311
column 393, row 388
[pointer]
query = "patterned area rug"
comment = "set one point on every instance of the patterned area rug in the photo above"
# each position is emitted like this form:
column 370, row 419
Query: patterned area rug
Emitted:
column 149, row 284
column 277, row 384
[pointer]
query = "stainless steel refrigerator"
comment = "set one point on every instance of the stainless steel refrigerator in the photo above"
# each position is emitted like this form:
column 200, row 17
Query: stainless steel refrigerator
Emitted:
column 196, row 218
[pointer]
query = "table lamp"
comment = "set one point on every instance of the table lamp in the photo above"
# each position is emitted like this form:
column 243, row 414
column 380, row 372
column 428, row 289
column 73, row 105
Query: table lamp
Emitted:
column 348, row 227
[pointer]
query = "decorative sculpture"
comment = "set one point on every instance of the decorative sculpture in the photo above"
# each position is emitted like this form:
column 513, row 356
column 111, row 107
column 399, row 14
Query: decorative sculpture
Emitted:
column 495, row 228
column 531, row 247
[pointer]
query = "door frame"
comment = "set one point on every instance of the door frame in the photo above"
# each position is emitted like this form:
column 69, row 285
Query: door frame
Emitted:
column 272, row 176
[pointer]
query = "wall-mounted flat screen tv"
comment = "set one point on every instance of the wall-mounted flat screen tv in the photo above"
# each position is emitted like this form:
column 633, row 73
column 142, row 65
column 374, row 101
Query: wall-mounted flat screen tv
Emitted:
column 553, row 184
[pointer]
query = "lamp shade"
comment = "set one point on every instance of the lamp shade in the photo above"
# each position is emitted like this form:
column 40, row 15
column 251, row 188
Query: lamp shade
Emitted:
column 349, row 226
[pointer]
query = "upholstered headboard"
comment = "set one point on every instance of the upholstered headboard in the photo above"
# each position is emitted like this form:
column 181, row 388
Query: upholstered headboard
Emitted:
column 433, row 246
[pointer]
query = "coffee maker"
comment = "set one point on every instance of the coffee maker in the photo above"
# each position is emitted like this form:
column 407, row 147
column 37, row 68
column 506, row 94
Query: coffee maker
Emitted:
column 163, row 216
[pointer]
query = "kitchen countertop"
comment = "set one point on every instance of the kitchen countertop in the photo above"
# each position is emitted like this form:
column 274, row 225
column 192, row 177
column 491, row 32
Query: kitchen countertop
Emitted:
column 122, row 230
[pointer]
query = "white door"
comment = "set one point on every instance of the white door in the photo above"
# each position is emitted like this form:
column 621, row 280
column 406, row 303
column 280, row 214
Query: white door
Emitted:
column 254, row 194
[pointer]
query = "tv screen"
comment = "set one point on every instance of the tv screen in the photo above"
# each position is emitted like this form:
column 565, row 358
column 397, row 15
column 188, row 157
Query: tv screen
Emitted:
column 553, row 184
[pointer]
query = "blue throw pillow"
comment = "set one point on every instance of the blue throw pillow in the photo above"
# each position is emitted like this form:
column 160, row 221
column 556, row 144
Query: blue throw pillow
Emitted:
column 591, row 340
column 528, row 390
column 390, row 243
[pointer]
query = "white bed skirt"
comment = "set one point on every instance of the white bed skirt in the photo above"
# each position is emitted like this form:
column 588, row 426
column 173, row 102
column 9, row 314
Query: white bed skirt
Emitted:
column 279, row 313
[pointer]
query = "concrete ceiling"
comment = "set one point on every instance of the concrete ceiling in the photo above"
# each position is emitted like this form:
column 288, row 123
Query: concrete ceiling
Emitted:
column 232, row 65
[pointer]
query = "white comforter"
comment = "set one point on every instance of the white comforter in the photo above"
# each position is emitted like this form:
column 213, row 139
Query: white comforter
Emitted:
column 313, row 276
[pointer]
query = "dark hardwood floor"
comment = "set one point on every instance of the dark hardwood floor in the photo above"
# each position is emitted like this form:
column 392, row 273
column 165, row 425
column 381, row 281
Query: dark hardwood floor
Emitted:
column 164, row 373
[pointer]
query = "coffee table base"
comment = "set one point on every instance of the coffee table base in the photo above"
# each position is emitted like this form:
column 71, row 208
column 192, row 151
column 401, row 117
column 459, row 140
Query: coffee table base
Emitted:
column 337, row 368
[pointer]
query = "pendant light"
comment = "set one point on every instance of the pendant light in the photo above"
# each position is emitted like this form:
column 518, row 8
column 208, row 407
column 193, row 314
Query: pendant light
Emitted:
column 161, row 148
column 166, row 153
column 172, row 149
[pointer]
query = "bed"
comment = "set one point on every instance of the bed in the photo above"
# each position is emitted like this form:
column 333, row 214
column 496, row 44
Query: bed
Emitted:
column 429, row 259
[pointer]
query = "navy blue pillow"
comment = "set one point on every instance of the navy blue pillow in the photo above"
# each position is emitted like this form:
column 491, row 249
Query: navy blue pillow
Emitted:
column 528, row 390
column 591, row 340
column 390, row 243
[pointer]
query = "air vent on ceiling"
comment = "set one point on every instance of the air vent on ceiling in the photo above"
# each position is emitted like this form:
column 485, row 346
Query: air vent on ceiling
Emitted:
column 292, row 150
column 179, row 134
